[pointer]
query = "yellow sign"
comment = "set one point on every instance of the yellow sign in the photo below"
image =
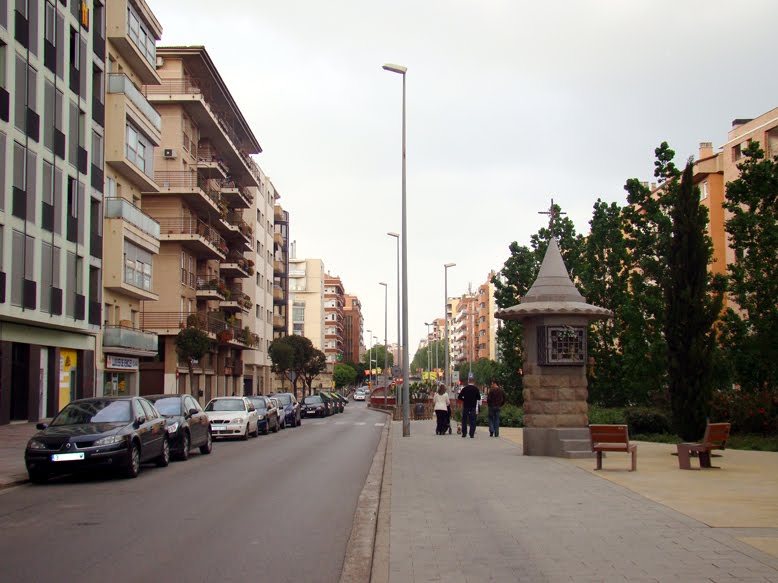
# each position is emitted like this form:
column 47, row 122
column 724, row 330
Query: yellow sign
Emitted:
column 67, row 376
column 84, row 15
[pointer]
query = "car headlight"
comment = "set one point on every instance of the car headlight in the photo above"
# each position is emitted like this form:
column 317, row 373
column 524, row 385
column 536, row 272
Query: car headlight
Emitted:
column 172, row 428
column 110, row 440
column 35, row 444
column 237, row 420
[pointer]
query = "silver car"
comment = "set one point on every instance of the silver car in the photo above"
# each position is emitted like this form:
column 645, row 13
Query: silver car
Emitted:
column 232, row 417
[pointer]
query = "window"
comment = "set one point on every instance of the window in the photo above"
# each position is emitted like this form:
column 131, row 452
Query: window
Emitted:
column 20, row 101
column 139, row 150
column 17, row 268
column 137, row 266
column 50, row 23
column 73, row 137
column 110, row 187
column 97, row 150
column 187, row 269
column 140, row 35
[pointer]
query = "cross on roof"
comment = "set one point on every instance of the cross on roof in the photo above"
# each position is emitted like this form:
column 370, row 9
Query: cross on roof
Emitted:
column 552, row 213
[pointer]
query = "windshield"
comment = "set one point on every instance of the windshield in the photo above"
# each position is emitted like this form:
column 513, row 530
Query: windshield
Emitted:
column 97, row 411
column 284, row 399
column 259, row 404
column 226, row 405
column 312, row 400
column 168, row 406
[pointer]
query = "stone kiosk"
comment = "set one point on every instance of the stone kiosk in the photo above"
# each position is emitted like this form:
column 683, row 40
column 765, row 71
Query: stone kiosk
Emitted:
column 555, row 317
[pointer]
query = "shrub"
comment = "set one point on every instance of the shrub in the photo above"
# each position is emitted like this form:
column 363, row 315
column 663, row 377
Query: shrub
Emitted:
column 647, row 421
column 510, row 416
column 748, row 412
column 606, row 416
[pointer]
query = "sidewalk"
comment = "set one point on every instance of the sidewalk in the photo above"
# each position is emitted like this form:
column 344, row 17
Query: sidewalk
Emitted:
column 13, row 440
column 477, row 510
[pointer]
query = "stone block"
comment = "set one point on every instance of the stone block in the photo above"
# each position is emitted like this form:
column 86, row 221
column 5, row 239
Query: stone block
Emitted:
column 529, row 420
column 567, row 408
column 544, row 421
column 531, row 381
column 581, row 407
column 566, row 395
column 531, row 407
column 553, row 407
column 549, row 381
column 581, row 394
column 544, row 394
column 571, row 420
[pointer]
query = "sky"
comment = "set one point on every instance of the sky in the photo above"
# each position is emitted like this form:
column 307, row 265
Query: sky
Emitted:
column 509, row 103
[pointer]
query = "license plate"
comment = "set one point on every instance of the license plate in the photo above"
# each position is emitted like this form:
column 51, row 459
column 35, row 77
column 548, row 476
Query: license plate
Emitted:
column 66, row 457
column 311, row 410
column 219, row 427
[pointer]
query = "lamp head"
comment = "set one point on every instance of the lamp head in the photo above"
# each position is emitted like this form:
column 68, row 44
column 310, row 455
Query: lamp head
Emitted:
column 395, row 68
column 447, row 265
column 395, row 235
column 382, row 283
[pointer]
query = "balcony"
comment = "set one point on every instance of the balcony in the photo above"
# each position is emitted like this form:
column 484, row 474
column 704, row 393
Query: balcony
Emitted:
column 117, row 29
column 236, row 196
column 210, row 163
column 202, row 103
column 120, row 208
column 210, row 289
column 120, row 111
column 200, row 193
column 236, row 301
column 278, row 239
column 120, row 83
column 279, row 268
column 238, row 232
column 235, row 265
column 279, row 323
column 279, row 297
column 194, row 234
column 170, row 323
column 233, row 367
column 124, row 340
column 280, row 215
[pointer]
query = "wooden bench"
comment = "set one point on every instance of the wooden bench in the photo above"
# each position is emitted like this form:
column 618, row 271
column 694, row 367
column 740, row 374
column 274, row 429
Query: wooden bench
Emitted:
column 612, row 438
column 716, row 435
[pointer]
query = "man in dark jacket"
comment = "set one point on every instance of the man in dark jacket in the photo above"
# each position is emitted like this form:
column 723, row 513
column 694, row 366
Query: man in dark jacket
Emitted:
column 495, row 400
column 469, row 395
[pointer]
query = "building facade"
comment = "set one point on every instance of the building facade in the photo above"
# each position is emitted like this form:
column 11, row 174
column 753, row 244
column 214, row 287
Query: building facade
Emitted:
column 211, row 245
column 353, row 325
column 306, row 298
column 280, row 272
column 52, row 132
column 334, row 325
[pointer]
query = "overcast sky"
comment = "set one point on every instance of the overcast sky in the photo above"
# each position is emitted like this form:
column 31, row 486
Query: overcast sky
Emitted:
column 509, row 102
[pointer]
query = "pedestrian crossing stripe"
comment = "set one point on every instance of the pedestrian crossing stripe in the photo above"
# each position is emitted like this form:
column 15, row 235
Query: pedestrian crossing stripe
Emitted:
column 360, row 423
column 380, row 424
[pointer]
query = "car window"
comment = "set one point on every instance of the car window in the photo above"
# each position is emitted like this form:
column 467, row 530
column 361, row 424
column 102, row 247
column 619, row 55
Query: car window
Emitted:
column 312, row 400
column 137, row 409
column 284, row 399
column 148, row 409
column 190, row 403
column 168, row 405
column 226, row 405
column 250, row 406
column 97, row 411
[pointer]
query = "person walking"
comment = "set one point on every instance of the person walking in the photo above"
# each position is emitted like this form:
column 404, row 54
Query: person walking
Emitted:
column 442, row 403
column 469, row 395
column 495, row 400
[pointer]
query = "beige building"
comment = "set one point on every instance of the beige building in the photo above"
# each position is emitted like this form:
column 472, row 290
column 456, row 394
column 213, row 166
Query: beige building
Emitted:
column 131, row 238
column 306, row 298
column 214, row 211
column 334, row 321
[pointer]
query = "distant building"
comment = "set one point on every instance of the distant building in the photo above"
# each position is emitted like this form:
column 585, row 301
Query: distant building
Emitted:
column 353, row 327
column 334, row 330
column 280, row 272
column 306, row 298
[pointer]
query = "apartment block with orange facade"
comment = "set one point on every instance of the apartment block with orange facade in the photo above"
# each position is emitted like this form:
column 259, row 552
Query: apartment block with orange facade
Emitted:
column 352, row 329
column 485, row 323
column 208, row 198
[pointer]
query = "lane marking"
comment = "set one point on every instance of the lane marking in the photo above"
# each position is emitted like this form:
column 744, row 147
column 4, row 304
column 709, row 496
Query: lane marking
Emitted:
column 379, row 424
column 360, row 423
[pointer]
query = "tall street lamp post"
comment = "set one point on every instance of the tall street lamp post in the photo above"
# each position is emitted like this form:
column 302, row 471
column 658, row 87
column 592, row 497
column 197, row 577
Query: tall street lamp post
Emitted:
column 447, row 374
column 397, row 236
column 429, row 353
column 370, row 359
column 399, row 69
column 386, row 313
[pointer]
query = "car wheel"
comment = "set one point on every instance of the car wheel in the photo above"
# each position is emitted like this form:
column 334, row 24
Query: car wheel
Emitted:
column 208, row 447
column 275, row 427
column 133, row 467
column 256, row 430
column 186, row 443
column 245, row 435
column 164, row 458
column 38, row 476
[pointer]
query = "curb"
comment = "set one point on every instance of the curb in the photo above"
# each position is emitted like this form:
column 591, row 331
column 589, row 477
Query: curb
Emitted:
column 358, row 563
column 13, row 483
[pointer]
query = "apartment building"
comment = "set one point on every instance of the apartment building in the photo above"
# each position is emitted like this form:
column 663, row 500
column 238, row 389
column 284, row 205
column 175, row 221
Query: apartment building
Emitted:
column 485, row 323
column 334, row 330
column 353, row 324
column 280, row 272
column 306, row 297
column 463, row 341
column 208, row 195
column 130, row 236
column 52, row 119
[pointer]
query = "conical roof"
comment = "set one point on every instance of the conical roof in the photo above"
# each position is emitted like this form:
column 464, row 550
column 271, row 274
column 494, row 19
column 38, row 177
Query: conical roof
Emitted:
column 553, row 293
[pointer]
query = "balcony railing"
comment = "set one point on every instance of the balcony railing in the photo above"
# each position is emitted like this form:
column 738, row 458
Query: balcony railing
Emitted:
column 120, row 208
column 193, row 226
column 224, row 332
column 122, row 337
column 172, row 179
column 237, row 220
column 120, row 83
column 211, row 284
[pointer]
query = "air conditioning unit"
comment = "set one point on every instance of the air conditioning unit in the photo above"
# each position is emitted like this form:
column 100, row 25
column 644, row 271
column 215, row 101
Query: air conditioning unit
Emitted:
column 169, row 153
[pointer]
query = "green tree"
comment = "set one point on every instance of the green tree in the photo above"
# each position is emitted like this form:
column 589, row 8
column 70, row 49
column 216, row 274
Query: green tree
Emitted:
column 750, row 334
column 432, row 357
column 282, row 354
column 191, row 344
column 484, row 371
column 315, row 363
column 296, row 354
column 376, row 354
column 691, row 311
column 343, row 375
column 359, row 368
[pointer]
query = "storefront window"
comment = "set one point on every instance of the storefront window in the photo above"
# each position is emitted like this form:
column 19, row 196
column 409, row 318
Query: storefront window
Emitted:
column 117, row 384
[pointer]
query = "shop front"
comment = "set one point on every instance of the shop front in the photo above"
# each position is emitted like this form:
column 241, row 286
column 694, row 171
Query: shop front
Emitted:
column 120, row 376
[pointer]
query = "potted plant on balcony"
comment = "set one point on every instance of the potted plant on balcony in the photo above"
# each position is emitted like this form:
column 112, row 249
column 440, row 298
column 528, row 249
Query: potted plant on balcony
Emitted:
column 224, row 336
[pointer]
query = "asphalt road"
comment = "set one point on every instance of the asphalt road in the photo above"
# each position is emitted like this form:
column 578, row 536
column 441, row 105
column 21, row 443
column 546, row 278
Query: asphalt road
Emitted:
column 274, row 508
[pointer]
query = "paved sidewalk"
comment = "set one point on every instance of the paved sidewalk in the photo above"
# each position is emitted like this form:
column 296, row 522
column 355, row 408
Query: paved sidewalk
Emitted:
column 13, row 440
column 473, row 510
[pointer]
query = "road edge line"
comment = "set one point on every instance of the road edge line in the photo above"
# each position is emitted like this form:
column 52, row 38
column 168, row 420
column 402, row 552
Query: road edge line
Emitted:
column 358, row 562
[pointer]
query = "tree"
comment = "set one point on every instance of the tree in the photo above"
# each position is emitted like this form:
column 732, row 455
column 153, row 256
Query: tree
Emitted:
column 191, row 344
column 376, row 354
column 750, row 332
column 281, row 354
column 314, row 364
column 296, row 354
column 484, row 371
column 343, row 375
column 690, row 310
column 359, row 368
column 432, row 357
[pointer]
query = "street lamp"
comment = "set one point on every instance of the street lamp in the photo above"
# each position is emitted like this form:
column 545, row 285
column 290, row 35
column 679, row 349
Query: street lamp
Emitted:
column 370, row 358
column 445, row 312
column 406, row 402
column 386, row 313
column 429, row 354
column 397, row 236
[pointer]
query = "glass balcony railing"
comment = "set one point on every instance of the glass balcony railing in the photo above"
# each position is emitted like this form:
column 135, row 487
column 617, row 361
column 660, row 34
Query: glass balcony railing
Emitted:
column 121, row 337
column 120, row 83
column 119, row 208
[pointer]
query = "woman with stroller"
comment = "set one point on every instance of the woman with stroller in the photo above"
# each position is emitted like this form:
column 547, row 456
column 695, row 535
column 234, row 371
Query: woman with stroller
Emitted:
column 442, row 404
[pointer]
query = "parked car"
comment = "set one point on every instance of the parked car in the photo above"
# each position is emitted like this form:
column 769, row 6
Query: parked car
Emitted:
column 314, row 406
column 108, row 433
column 359, row 395
column 267, row 413
column 279, row 412
column 291, row 408
column 187, row 424
column 232, row 417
